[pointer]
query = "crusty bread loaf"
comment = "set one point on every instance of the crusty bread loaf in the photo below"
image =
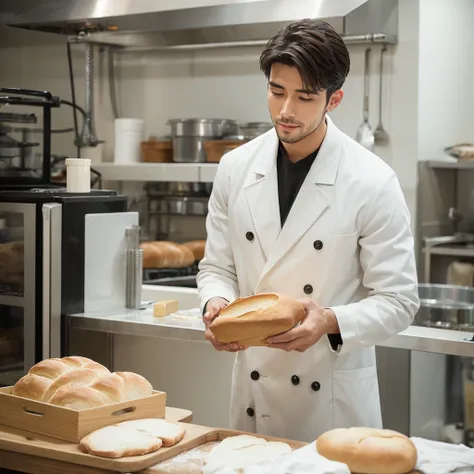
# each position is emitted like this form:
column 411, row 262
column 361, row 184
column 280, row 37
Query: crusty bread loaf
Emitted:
column 197, row 247
column 79, row 383
column 164, row 254
column 251, row 320
column 116, row 442
column 369, row 450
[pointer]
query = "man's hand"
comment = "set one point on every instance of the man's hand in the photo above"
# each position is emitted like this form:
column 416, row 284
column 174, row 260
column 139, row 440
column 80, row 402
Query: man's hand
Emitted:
column 213, row 308
column 317, row 322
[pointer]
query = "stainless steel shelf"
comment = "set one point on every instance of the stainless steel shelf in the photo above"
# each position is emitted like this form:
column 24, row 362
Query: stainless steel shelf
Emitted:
column 452, row 251
column 440, row 164
column 7, row 300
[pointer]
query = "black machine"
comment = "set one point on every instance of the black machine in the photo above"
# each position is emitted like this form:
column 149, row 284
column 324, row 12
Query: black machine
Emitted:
column 42, row 236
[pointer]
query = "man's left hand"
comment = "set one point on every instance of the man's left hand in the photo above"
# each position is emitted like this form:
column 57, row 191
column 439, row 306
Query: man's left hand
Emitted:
column 317, row 322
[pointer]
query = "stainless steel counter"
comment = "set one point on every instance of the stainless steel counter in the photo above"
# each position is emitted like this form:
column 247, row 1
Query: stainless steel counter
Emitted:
column 187, row 325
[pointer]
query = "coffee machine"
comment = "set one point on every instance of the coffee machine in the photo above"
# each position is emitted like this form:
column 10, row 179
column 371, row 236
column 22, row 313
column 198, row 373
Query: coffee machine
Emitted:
column 60, row 252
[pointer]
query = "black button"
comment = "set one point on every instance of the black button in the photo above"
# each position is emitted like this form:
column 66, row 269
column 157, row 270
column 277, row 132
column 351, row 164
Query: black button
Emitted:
column 308, row 289
column 255, row 375
column 295, row 380
column 249, row 236
column 317, row 244
column 250, row 411
column 316, row 386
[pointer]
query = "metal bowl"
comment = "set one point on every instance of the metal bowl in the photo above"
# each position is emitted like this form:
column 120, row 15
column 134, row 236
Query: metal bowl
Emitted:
column 446, row 306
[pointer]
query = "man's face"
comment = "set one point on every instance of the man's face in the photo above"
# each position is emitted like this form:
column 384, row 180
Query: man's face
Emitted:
column 295, row 111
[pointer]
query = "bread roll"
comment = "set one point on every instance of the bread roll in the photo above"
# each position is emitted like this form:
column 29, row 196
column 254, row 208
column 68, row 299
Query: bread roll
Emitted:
column 116, row 442
column 75, row 376
column 79, row 383
column 134, row 386
column 369, row 450
column 197, row 247
column 174, row 255
column 251, row 320
column 78, row 397
column 152, row 255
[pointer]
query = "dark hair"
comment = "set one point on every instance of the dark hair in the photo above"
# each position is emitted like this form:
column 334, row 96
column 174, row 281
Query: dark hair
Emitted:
column 315, row 49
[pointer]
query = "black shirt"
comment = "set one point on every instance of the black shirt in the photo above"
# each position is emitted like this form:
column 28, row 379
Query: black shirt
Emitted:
column 290, row 179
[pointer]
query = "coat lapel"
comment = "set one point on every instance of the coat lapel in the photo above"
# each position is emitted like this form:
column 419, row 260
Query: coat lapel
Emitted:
column 262, row 194
column 311, row 202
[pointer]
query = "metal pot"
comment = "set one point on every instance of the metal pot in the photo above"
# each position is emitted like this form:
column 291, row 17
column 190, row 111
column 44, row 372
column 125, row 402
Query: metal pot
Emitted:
column 252, row 130
column 182, row 206
column 446, row 307
column 189, row 136
column 200, row 127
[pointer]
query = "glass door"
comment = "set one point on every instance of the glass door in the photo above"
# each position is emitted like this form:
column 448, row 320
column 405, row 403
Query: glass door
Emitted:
column 17, row 290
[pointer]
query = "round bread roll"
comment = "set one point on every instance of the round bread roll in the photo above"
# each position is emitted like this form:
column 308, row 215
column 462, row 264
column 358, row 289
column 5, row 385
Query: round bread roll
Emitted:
column 134, row 386
column 197, row 247
column 251, row 320
column 32, row 386
column 369, row 450
column 78, row 397
column 152, row 255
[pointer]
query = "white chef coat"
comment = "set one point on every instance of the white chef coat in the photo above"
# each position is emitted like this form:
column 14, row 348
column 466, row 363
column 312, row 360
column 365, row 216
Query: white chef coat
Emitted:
column 347, row 244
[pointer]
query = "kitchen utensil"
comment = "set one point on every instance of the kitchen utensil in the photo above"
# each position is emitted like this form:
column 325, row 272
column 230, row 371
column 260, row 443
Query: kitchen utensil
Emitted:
column 364, row 134
column 189, row 136
column 446, row 307
column 252, row 130
column 381, row 137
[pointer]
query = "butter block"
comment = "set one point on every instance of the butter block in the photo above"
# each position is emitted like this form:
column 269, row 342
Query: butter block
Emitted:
column 165, row 308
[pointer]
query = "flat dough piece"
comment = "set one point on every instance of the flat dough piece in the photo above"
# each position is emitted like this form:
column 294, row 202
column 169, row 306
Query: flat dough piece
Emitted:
column 239, row 452
column 116, row 442
column 169, row 433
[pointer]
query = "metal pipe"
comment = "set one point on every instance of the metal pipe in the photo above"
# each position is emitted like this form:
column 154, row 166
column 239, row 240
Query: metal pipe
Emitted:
column 348, row 39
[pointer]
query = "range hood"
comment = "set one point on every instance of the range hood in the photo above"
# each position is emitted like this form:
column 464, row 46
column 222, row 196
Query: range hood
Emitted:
column 201, row 23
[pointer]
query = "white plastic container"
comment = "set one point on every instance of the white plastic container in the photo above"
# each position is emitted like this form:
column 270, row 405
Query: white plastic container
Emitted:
column 78, row 175
column 128, row 135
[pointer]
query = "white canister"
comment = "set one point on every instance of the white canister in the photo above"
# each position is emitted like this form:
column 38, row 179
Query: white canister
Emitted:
column 129, row 133
column 78, row 175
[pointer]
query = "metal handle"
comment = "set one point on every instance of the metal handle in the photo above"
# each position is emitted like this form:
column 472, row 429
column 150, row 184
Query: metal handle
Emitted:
column 367, row 84
column 134, row 278
column 381, row 81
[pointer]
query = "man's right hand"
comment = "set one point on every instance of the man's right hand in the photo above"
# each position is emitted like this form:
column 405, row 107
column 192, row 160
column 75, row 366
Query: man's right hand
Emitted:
column 213, row 308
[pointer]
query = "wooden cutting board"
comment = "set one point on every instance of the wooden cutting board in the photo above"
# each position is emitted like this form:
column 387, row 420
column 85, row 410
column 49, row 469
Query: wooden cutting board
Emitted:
column 34, row 451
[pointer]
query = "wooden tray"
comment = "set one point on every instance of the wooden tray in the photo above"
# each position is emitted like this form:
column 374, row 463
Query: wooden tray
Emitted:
column 72, row 425
column 198, row 439
column 69, row 455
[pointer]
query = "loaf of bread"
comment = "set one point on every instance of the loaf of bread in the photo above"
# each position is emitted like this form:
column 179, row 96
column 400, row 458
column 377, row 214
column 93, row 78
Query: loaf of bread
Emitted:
column 369, row 450
column 79, row 383
column 251, row 320
column 197, row 247
column 132, row 438
column 164, row 254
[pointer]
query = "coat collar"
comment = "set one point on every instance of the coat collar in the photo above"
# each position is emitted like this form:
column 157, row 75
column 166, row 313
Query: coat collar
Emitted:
column 312, row 200
column 325, row 166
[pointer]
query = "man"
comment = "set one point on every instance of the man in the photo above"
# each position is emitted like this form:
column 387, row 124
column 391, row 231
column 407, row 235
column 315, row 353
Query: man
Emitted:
column 304, row 210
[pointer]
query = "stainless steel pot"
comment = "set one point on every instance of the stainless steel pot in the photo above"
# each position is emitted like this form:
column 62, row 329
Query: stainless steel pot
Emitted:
column 182, row 206
column 200, row 127
column 189, row 136
column 446, row 307
column 252, row 130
